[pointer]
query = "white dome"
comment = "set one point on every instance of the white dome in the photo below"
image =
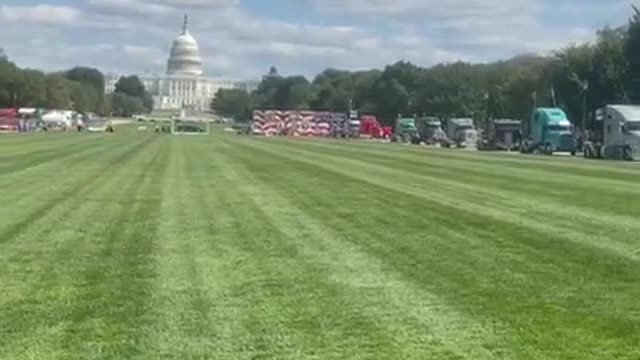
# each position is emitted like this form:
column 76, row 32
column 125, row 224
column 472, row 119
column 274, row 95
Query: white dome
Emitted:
column 184, row 58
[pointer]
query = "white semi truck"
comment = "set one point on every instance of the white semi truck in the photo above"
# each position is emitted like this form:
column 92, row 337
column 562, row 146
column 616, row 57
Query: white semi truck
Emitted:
column 462, row 132
column 616, row 135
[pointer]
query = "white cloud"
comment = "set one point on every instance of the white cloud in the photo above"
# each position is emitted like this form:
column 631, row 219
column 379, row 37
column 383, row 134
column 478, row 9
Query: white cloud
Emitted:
column 130, row 7
column 428, row 8
column 236, row 42
column 142, row 52
column 40, row 14
column 199, row 3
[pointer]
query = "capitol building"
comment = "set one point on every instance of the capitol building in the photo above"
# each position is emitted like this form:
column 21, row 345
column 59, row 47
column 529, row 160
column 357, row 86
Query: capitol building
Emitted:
column 184, row 86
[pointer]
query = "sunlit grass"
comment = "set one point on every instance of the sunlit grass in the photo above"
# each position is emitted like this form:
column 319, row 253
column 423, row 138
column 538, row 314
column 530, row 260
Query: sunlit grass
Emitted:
column 147, row 246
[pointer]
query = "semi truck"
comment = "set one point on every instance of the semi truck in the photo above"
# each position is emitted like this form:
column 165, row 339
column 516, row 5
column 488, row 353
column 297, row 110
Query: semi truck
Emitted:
column 430, row 131
column 548, row 131
column 616, row 134
column 8, row 120
column 461, row 132
column 353, row 130
column 406, row 130
column 501, row 134
column 370, row 127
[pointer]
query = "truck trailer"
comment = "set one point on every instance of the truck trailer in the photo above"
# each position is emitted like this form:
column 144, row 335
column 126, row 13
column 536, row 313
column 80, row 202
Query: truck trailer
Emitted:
column 548, row 131
column 616, row 135
column 501, row 134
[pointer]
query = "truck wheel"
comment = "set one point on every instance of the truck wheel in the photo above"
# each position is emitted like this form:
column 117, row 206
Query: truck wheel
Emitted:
column 539, row 149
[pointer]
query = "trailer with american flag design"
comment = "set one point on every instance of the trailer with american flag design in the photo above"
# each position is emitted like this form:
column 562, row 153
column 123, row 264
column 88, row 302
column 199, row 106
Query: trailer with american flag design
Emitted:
column 298, row 123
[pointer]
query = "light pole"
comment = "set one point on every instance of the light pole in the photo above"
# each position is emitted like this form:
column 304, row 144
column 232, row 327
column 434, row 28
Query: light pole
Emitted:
column 585, row 88
column 486, row 111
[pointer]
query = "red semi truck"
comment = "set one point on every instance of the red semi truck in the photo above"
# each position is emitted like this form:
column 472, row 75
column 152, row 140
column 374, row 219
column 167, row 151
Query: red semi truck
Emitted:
column 371, row 128
column 8, row 120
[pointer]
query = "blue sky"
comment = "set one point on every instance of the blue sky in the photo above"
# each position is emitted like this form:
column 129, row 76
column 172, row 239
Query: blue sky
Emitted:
column 242, row 38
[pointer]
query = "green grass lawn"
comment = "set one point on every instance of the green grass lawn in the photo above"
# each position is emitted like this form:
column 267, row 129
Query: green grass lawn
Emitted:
column 148, row 246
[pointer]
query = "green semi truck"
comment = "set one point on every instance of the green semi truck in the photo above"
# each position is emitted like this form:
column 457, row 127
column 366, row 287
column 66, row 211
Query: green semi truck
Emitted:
column 548, row 131
column 406, row 130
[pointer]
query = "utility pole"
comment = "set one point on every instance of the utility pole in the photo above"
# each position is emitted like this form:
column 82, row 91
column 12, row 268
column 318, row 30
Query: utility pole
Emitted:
column 585, row 89
column 486, row 111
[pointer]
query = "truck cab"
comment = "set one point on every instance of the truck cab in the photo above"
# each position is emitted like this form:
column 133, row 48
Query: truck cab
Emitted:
column 619, row 126
column 406, row 130
column 462, row 132
column 430, row 131
column 501, row 134
column 354, row 125
column 549, row 130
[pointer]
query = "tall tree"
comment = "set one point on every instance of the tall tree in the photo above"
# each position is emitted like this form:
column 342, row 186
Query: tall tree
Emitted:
column 632, row 55
column 125, row 105
column 235, row 103
column 130, row 85
column 58, row 92
column 133, row 88
column 87, row 75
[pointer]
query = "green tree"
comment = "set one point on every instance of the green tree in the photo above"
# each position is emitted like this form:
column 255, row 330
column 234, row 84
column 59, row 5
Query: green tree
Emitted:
column 632, row 55
column 332, row 90
column 125, row 105
column 133, row 88
column 57, row 91
column 130, row 85
column 236, row 103
column 33, row 90
column 87, row 75
column 8, row 72
column 283, row 92
column 610, row 68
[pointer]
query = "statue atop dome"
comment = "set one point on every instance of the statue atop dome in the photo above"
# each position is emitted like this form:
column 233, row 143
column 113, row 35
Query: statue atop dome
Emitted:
column 185, row 25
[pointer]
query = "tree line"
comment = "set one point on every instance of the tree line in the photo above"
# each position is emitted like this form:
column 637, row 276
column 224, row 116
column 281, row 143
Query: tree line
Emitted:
column 80, row 89
column 579, row 78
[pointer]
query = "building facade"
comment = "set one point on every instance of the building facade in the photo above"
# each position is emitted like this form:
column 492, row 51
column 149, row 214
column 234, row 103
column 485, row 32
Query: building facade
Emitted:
column 184, row 85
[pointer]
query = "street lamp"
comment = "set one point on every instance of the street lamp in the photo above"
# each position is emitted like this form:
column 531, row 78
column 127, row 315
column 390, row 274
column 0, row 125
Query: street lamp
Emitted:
column 585, row 88
column 486, row 110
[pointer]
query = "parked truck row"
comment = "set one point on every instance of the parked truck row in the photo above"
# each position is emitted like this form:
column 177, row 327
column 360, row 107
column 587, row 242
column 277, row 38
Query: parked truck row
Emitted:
column 431, row 130
column 615, row 133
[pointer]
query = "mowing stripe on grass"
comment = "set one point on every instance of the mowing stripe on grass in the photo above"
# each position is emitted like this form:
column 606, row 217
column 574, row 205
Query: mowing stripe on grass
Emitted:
column 518, row 208
column 419, row 324
column 232, row 247
column 66, row 253
column 77, row 186
column 597, row 268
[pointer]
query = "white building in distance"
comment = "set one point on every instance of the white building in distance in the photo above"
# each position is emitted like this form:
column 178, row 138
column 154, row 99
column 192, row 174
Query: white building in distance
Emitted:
column 184, row 85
